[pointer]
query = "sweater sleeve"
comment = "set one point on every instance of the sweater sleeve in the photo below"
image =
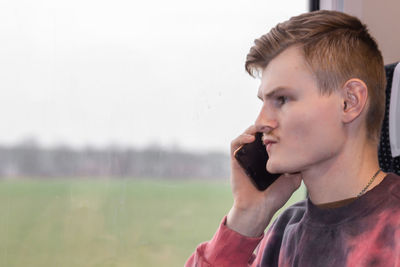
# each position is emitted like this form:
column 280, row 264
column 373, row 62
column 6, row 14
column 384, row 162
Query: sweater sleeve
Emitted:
column 226, row 248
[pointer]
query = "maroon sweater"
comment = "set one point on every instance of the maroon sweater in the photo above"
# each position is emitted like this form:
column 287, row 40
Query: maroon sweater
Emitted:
column 365, row 232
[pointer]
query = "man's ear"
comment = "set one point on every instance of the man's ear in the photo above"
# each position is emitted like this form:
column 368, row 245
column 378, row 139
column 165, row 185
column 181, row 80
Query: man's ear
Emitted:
column 354, row 97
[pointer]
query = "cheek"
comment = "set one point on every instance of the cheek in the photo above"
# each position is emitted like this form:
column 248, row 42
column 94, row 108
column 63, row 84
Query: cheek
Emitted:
column 300, row 134
column 309, row 133
column 319, row 125
column 311, row 137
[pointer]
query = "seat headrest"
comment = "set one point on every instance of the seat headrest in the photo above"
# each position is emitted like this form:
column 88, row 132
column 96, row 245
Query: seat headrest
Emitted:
column 389, row 146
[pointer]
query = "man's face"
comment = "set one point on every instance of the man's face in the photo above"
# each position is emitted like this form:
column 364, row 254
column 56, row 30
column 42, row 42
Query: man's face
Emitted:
column 306, row 125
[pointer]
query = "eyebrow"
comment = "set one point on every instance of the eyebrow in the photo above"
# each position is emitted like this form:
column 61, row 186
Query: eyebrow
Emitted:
column 273, row 92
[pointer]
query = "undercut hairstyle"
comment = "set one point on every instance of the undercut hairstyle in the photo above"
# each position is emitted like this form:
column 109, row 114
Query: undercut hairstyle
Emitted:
column 337, row 47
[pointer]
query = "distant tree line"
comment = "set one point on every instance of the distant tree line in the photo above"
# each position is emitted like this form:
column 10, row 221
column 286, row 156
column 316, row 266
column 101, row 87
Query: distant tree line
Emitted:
column 31, row 160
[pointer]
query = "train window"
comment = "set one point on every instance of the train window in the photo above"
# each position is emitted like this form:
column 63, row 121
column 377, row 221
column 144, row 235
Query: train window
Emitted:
column 116, row 122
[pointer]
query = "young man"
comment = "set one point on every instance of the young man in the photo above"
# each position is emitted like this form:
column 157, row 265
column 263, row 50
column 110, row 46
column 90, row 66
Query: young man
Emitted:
column 323, row 99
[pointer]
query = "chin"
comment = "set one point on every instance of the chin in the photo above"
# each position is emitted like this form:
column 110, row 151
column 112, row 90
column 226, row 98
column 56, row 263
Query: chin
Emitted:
column 273, row 167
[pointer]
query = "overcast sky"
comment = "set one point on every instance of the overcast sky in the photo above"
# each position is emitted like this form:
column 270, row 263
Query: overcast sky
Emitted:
column 131, row 72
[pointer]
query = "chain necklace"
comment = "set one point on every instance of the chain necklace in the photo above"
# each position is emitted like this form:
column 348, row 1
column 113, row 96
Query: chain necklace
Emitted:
column 369, row 183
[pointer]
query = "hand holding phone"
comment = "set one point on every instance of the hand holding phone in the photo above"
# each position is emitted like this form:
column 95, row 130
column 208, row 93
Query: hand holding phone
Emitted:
column 253, row 208
column 253, row 159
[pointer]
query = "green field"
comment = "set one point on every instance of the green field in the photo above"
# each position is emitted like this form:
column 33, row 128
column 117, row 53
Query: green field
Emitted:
column 108, row 222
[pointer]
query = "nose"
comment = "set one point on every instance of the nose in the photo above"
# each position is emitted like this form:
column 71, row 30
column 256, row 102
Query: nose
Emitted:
column 266, row 121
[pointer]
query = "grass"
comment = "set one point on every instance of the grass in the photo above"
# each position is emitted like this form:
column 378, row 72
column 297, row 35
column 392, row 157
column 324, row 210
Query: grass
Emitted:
column 108, row 222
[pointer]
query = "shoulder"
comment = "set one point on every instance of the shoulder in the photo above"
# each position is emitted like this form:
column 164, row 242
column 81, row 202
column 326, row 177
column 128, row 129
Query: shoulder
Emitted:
column 269, row 248
column 290, row 216
column 393, row 184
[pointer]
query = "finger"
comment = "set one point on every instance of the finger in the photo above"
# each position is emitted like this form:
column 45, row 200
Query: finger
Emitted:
column 251, row 130
column 241, row 140
column 246, row 137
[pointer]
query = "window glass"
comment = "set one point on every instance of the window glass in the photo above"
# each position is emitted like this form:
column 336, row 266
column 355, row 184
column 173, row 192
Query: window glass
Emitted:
column 117, row 118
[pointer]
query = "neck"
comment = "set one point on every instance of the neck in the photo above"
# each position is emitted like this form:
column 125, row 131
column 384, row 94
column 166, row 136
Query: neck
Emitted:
column 344, row 175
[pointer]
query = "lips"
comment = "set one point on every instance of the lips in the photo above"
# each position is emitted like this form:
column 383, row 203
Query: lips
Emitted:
column 268, row 143
column 268, row 146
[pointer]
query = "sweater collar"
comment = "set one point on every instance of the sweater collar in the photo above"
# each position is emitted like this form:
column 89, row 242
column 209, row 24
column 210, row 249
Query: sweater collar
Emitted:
column 362, row 205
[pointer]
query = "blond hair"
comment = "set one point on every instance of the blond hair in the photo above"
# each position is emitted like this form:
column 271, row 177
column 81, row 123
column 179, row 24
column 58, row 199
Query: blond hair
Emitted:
column 337, row 47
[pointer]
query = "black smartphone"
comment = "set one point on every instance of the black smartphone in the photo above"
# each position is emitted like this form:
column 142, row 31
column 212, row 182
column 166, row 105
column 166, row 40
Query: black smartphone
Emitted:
column 253, row 159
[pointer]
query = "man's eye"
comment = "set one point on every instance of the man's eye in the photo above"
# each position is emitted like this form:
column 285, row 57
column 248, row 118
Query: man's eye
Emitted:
column 280, row 100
